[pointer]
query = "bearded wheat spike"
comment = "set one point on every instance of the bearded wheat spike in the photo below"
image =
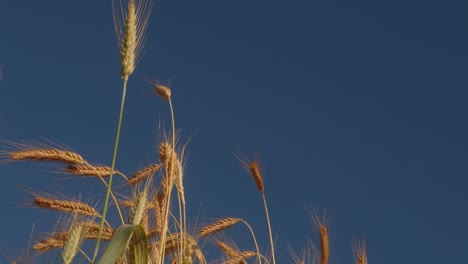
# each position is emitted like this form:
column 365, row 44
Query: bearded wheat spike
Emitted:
column 37, row 154
column 257, row 176
column 324, row 245
column 163, row 91
column 228, row 250
column 359, row 251
column 90, row 170
column 144, row 173
column 130, row 22
column 49, row 243
column 219, row 226
column 66, row 206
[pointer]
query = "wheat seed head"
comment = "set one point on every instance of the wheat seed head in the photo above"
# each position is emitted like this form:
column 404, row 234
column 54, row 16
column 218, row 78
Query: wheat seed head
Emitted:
column 131, row 19
column 254, row 169
column 163, row 91
column 218, row 226
column 359, row 251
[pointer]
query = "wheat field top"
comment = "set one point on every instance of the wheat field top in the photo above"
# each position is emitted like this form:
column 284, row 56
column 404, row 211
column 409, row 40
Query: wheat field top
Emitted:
column 357, row 110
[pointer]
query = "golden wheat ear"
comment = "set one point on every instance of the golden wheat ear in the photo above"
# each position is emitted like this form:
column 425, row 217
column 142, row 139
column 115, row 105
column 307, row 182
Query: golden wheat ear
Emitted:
column 359, row 251
column 68, row 206
column 219, row 226
column 131, row 19
column 321, row 225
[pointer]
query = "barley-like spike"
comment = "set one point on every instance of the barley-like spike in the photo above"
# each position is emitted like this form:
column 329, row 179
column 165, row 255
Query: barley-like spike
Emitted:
column 48, row 155
column 228, row 250
column 163, row 91
column 90, row 170
column 91, row 231
column 166, row 152
column 359, row 251
column 257, row 176
column 157, row 215
column 144, row 173
column 130, row 25
column 66, row 206
column 219, row 226
column 49, row 243
column 129, row 42
column 324, row 245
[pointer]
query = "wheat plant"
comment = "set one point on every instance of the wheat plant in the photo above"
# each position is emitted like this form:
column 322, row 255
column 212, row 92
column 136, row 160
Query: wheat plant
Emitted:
column 150, row 224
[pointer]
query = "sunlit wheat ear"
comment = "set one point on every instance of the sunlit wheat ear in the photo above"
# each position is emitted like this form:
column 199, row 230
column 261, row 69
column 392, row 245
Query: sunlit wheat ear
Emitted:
column 253, row 167
column 144, row 173
column 58, row 155
column 48, row 244
column 72, row 244
column 323, row 235
column 218, row 226
column 359, row 251
column 324, row 245
column 90, row 170
column 163, row 91
column 227, row 249
column 91, row 231
column 131, row 20
column 65, row 206
column 304, row 256
column 257, row 176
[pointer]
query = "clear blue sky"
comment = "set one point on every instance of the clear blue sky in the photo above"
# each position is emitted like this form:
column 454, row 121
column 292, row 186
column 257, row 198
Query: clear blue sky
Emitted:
column 356, row 107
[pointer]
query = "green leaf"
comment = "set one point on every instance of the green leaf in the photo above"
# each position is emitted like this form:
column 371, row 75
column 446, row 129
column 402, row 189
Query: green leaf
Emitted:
column 119, row 243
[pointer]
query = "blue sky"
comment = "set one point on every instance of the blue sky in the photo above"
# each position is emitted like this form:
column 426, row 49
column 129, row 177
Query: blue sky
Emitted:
column 357, row 108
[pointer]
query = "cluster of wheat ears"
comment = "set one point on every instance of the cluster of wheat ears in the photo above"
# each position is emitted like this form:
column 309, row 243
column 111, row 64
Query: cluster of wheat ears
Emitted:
column 147, row 228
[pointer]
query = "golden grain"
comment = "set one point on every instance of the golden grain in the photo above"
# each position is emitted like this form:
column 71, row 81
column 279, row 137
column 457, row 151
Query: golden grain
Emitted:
column 219, row 226
column 48, row 155
column 66, row 206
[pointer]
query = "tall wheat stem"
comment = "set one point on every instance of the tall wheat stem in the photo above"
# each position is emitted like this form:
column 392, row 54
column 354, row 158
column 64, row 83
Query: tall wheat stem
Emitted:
column 114, row 157
column 269, row 229
column 171, row 182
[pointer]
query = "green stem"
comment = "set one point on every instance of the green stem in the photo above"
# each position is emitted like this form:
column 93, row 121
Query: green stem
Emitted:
column 114, row 157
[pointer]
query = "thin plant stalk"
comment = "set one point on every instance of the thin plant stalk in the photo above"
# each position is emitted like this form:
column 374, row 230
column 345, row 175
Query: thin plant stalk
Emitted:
column 269, row 228
column 171, row 182
column 114, row 157
column 254, row 239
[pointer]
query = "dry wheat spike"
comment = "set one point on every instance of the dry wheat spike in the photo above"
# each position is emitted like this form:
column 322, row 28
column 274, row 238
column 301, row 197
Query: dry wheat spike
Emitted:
column 219, row 226
column 66, row 206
